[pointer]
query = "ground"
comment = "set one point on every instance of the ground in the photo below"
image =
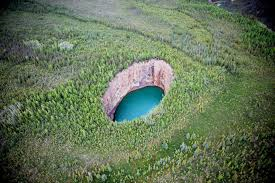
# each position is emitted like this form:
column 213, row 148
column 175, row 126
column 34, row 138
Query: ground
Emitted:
column 216, row 124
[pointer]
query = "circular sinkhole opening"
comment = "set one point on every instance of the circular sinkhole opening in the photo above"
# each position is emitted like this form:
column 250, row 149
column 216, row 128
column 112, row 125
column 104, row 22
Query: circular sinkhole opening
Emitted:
column 134, row 91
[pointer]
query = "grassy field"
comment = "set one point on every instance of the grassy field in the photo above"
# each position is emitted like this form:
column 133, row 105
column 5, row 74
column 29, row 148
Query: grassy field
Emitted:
column 216, row 124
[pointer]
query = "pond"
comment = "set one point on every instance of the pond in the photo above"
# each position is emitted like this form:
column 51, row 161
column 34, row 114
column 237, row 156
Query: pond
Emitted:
column 138, row 103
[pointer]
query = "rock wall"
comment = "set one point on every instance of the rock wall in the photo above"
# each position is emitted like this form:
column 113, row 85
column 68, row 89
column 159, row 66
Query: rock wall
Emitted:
column 139, row 75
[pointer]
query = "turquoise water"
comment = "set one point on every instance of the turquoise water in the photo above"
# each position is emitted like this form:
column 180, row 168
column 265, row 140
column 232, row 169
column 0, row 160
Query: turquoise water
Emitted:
column 138, row 103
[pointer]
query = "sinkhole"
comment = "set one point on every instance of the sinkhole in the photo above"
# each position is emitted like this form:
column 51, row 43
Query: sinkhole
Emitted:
column 135, row 91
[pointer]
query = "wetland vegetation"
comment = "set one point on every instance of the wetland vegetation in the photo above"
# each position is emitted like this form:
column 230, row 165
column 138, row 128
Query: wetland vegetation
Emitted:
column 216, row 123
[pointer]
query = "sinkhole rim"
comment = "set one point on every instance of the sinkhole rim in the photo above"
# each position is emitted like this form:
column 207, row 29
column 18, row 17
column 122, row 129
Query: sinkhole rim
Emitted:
column 152, row 72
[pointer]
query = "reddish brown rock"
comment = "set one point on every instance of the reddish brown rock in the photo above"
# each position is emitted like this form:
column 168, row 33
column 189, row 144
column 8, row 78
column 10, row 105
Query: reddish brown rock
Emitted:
column 139, row 75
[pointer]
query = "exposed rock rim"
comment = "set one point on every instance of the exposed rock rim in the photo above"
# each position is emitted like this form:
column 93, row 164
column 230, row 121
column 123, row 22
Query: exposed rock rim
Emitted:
column 139, row 75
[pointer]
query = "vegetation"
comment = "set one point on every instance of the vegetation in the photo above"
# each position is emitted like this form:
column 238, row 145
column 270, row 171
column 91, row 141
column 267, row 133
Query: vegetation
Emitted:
column 216, row 124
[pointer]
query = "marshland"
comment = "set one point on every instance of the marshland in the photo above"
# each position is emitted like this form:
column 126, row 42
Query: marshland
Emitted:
column 58, row 58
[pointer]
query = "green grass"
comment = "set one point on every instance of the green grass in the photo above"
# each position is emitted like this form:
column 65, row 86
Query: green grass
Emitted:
column 220, row 105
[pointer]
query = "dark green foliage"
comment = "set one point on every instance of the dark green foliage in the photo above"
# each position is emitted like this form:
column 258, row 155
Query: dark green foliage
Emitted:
column 214, row 125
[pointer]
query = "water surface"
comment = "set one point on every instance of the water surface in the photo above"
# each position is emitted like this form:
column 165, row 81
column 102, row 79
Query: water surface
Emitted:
column 138, row 103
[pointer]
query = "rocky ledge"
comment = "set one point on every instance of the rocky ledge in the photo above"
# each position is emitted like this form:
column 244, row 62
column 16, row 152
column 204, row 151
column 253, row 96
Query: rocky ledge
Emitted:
column 149, row 73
